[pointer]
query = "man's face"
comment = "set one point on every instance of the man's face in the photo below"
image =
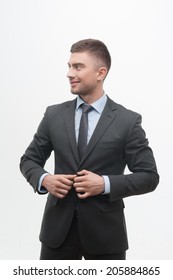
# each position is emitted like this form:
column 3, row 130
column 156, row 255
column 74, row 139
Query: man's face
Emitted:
column 83, row 73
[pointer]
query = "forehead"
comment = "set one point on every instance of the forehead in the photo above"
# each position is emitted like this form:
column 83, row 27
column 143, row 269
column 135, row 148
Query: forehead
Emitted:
column 81, row 58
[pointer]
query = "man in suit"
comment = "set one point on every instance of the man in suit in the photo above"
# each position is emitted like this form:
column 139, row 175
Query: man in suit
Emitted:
column 84, row 213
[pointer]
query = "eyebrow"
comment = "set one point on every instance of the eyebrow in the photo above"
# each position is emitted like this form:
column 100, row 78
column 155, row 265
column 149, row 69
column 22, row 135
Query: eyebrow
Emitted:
column 76, row 64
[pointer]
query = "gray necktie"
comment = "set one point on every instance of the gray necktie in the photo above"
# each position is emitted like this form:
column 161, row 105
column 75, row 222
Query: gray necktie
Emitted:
column 83, row 129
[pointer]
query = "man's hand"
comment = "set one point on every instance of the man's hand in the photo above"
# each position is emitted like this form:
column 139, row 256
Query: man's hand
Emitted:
column 88, row 184
column 58, row 185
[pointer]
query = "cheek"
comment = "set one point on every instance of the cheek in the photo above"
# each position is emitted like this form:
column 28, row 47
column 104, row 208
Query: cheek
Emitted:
column 91, row 79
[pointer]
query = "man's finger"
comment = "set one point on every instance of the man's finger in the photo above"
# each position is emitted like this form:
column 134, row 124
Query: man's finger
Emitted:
column 83, row 195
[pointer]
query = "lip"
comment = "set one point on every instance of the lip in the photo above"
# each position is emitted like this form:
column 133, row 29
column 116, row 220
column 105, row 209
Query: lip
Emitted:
column 74, row 83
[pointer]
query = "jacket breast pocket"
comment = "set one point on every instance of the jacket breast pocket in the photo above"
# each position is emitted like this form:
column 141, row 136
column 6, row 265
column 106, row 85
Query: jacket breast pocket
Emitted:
column 111, row 145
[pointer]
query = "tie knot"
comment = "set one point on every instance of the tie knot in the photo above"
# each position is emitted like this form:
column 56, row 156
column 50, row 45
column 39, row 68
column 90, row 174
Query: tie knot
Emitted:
column 86, row 108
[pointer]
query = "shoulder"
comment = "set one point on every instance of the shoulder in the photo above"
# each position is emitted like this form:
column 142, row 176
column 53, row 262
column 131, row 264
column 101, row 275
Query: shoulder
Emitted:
column 123, row 112
column 59, row 108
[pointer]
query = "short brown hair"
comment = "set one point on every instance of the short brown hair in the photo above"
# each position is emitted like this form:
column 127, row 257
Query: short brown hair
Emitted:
column 96, row 48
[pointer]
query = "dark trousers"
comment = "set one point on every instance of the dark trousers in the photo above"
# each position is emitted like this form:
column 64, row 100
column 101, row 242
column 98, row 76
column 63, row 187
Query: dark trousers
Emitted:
column 72, row 249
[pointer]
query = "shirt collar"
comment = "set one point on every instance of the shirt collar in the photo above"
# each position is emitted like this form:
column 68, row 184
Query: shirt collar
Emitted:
column 98, row 105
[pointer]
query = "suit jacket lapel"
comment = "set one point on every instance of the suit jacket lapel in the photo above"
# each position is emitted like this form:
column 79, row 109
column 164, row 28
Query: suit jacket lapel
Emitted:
column 69, row 118
column 108, row 115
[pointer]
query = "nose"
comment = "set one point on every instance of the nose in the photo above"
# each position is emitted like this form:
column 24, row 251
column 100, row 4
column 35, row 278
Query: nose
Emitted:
column 70, row 73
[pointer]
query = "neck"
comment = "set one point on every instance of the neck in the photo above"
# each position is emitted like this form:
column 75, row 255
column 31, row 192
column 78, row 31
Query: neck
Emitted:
column 89, row 99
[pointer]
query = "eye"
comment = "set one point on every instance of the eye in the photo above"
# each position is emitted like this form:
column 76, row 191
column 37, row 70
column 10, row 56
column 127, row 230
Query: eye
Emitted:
column 78, row 67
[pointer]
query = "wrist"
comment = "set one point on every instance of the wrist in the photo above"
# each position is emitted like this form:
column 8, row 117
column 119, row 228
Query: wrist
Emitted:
column 45, row 181
column 102, row 184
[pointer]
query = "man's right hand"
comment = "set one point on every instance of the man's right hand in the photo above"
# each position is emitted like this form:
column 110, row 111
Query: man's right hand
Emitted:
column 58, row 185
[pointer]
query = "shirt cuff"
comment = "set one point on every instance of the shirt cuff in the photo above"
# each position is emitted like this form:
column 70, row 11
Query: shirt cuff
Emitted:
column 107, row 185
column 41, row 189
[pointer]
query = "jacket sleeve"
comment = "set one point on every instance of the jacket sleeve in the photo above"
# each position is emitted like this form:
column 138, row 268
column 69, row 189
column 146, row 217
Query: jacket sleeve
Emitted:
column 141, row 163
column 33, row 161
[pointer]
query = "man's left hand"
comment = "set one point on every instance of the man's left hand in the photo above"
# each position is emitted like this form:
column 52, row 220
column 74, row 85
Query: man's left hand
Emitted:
column 88, row 184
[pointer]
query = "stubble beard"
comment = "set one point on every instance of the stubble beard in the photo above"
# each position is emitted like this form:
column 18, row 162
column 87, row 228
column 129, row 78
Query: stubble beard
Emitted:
column 83, row 92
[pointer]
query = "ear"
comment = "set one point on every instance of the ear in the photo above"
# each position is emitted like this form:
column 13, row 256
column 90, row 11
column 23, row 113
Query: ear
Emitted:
column 102, row 72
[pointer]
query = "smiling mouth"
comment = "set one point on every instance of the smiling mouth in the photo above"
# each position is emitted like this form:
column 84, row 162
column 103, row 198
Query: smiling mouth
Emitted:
column 73, row 83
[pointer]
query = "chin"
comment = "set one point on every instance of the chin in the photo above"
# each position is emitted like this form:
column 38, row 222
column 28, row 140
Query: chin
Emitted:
column 74, row 92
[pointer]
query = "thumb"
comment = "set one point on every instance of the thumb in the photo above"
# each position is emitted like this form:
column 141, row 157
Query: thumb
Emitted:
column 83, row 172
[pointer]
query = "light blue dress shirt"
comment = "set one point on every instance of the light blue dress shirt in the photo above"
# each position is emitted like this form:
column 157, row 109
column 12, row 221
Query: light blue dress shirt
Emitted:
column 93, row 118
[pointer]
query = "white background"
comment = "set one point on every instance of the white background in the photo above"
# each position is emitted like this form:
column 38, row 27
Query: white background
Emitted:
column 35, row 41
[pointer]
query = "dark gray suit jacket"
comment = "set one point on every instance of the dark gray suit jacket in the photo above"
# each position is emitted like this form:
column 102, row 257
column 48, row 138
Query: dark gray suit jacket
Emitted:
column 117, row 141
